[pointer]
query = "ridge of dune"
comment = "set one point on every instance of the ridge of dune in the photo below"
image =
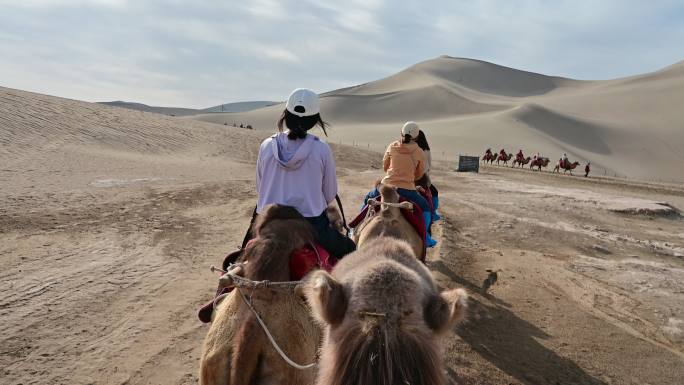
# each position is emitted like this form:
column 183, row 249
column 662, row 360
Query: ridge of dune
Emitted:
column 466, row 74
column 174, row 111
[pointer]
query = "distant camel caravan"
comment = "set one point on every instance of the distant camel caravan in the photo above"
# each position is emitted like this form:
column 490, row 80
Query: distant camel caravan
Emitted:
column 537, row 162
column 566, row 166
column 381, row 310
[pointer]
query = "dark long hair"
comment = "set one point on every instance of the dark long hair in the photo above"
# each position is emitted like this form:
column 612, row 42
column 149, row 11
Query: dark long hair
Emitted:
column 299, row 125
column 422, row 142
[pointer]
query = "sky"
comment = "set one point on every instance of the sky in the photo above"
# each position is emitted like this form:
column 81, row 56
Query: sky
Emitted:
column 202, row 53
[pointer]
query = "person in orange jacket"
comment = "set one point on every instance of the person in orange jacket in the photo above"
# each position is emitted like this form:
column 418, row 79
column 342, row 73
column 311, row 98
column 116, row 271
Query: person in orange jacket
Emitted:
column 404, row 163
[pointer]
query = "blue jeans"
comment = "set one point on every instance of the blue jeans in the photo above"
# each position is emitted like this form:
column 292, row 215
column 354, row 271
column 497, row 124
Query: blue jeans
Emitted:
column 411, row 195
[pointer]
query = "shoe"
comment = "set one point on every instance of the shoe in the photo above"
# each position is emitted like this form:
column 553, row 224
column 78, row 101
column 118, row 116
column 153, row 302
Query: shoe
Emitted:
column 207, row 310
column 429, row 242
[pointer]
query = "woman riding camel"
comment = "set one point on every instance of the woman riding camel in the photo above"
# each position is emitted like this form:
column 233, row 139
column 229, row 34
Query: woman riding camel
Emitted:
column 297, row 169
column 404, row 163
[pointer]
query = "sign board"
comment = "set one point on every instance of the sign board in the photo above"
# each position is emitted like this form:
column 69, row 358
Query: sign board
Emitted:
column 468, row 163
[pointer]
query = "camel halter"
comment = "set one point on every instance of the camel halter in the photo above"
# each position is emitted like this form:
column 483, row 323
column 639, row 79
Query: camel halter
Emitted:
column 403, row 205
column 372, row 202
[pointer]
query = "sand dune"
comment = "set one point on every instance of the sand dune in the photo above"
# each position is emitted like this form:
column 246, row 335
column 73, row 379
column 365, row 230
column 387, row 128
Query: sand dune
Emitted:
column 475, row 75
column 629, row 127
column 173, row 111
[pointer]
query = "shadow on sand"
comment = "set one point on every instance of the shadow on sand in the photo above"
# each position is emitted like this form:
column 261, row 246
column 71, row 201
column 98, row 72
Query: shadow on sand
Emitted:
column 511, row 343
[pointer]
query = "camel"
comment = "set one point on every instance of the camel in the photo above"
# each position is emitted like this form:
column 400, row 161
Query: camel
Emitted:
column 383, row 317
column 521, row 162
column 236, row 350
column 503, row 158
column 389, row 223
column 566, row 166
column 489, row 157
column 539, row 163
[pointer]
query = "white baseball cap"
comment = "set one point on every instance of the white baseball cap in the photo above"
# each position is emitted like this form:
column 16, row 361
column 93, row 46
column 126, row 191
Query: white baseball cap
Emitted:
column 303, row 102
column 410, row 128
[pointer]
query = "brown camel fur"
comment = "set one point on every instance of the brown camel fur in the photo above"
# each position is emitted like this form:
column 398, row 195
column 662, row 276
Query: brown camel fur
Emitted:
column 519, row 162
column 539, row 163
column 383, row 317
column 503, row 158
column 489, row 158
column 389, row 223
column 236, row 350
column 566, row 167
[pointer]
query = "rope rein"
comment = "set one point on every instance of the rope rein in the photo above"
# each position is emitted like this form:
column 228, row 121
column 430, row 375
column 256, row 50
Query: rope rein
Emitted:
column 230, row 278
column 344, row 220
column 270, row 337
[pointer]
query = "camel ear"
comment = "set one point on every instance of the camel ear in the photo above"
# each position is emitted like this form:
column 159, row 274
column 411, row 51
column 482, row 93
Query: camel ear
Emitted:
column 326, row 297
column 443, row 311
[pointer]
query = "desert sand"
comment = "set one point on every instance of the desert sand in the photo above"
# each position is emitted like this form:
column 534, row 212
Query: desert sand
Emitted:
column 110, row 219
column 631, row 127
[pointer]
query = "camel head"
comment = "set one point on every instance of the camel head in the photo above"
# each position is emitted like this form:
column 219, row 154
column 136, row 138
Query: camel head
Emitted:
column 278, row 230
column 383, row 316
column 388, row 193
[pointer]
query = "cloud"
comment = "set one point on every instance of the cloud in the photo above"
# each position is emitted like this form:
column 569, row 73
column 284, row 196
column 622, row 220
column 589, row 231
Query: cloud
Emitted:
column 277, row 53
column 202, row 53
column 62, row 3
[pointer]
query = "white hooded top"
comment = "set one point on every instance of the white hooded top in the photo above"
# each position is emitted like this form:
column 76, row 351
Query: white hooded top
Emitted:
column 298, row 173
